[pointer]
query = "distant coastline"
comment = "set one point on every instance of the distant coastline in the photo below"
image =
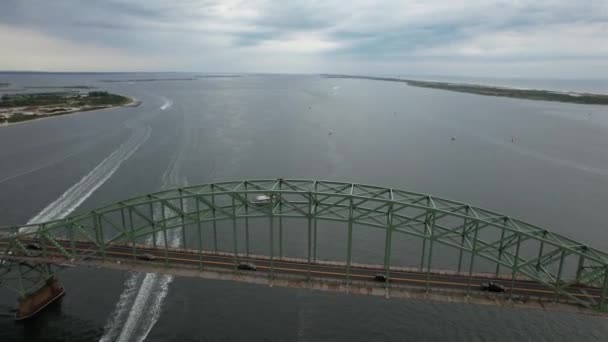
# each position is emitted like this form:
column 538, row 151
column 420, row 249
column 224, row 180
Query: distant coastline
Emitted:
column 19, row 108
column 218, row 76
column 528, row 94
column 148, row 80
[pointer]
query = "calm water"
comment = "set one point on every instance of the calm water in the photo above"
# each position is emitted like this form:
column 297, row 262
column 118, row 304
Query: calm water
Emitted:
column 555, row 175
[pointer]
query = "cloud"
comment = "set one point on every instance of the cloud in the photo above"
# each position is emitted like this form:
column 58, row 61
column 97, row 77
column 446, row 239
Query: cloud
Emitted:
column 383, row 36
column 561, row 41
column 32, row 50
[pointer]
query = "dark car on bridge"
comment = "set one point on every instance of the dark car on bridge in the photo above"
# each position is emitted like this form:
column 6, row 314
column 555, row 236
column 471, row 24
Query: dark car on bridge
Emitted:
column 492, row 287
column 247, row 266
column 379, row 277
column 33, row 245
column 146, row 257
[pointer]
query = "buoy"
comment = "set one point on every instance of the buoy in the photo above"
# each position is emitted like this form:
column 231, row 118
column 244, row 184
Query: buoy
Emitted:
column 453, row 138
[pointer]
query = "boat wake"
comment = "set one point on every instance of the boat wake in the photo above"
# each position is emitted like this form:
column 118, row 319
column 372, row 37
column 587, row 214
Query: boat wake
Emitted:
column 140, row 304
column 79, row 192
column 167, row 103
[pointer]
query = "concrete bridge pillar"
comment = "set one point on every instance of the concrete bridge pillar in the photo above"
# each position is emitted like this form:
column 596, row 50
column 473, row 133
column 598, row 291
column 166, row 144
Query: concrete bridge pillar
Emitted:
column 32, row 303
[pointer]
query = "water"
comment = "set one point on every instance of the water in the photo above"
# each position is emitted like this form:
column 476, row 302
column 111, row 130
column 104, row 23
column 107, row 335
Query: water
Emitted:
column 554, row 174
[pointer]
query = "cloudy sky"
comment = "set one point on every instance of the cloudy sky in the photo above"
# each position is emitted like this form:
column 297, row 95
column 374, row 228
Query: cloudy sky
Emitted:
column 518, row 38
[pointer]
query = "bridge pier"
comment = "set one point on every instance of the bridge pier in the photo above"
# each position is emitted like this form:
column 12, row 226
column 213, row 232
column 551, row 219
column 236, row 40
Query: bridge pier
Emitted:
column 32, row 303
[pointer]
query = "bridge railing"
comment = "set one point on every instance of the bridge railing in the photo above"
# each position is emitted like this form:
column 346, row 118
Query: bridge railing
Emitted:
column 168, row 219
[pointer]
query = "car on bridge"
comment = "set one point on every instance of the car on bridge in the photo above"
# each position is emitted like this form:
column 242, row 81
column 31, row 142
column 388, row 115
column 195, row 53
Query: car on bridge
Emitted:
column 247, row 266
column 146, row 257
column 492, row 287
column 379, row 277
column 34, row 246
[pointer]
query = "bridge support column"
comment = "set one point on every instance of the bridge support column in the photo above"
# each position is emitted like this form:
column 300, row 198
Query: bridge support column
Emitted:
column 32, row 303
column 421, row 267
column 431, row 228
column 580, row 266
column 183, row 218
column 309, row 240
column 164, row 226
column 559, row 276
column 314, row 240
column 387, row 247
column 314, row 234
column 308, row 249
column 151, row 212
column 280, row 220
column 234, row 240
column 246, row 221
column 131, row 232
column 464, row 231
column 500, row 251
column 472, row 260
column 71, row 236
column 604, row 295
column 199, row 229
column 214, row 220
column 98, row 226
column 271, row 240
column 540, row 251
column 349, row 246
column 515, row 266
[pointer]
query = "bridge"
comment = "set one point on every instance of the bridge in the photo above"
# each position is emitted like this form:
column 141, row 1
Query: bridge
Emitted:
column 213, row 230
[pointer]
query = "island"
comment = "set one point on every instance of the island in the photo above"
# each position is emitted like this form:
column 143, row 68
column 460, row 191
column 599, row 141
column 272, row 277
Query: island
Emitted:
column 4, row 85
column 528, row 94
column 59, row 87
column 30, row 106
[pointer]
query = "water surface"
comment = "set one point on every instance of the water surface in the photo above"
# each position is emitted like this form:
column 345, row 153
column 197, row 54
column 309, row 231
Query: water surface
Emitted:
column 542, row 162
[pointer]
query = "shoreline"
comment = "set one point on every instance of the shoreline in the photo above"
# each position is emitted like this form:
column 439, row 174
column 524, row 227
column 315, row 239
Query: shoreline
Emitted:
column 496, row 91
column 132, row 103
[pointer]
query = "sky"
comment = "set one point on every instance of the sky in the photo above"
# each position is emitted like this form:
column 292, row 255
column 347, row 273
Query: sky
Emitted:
column 491, row 38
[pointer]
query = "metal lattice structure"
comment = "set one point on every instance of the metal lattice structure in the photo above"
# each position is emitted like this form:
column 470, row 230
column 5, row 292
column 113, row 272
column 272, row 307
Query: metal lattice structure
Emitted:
column 476, row 234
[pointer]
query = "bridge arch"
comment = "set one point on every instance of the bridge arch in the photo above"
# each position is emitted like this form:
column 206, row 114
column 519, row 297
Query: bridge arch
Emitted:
column 557, row 262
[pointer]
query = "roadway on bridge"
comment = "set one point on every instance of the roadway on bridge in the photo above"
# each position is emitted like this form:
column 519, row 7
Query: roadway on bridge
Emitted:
column 302, row 268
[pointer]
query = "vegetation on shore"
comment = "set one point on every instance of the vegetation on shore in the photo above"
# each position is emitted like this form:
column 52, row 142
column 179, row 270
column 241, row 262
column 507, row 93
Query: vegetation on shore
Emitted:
column 29, row 106
column 59, row 87
column 93, row 98
column 529, row 94
column 4, row 85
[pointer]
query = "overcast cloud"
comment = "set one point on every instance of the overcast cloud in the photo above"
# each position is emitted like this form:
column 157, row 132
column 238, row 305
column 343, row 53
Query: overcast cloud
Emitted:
column 469, row 37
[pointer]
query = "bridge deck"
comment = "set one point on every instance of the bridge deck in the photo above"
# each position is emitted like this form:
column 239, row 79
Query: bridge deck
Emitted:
column 336, row 272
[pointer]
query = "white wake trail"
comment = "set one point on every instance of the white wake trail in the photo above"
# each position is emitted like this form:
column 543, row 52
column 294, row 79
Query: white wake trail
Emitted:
column 139, row 306
column 167, row 103
column 147, row 305
column 79, row 192
column 121, row 306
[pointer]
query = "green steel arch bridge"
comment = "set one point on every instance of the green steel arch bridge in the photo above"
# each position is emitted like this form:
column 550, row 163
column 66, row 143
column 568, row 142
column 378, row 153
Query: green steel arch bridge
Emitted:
column 176, row 231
